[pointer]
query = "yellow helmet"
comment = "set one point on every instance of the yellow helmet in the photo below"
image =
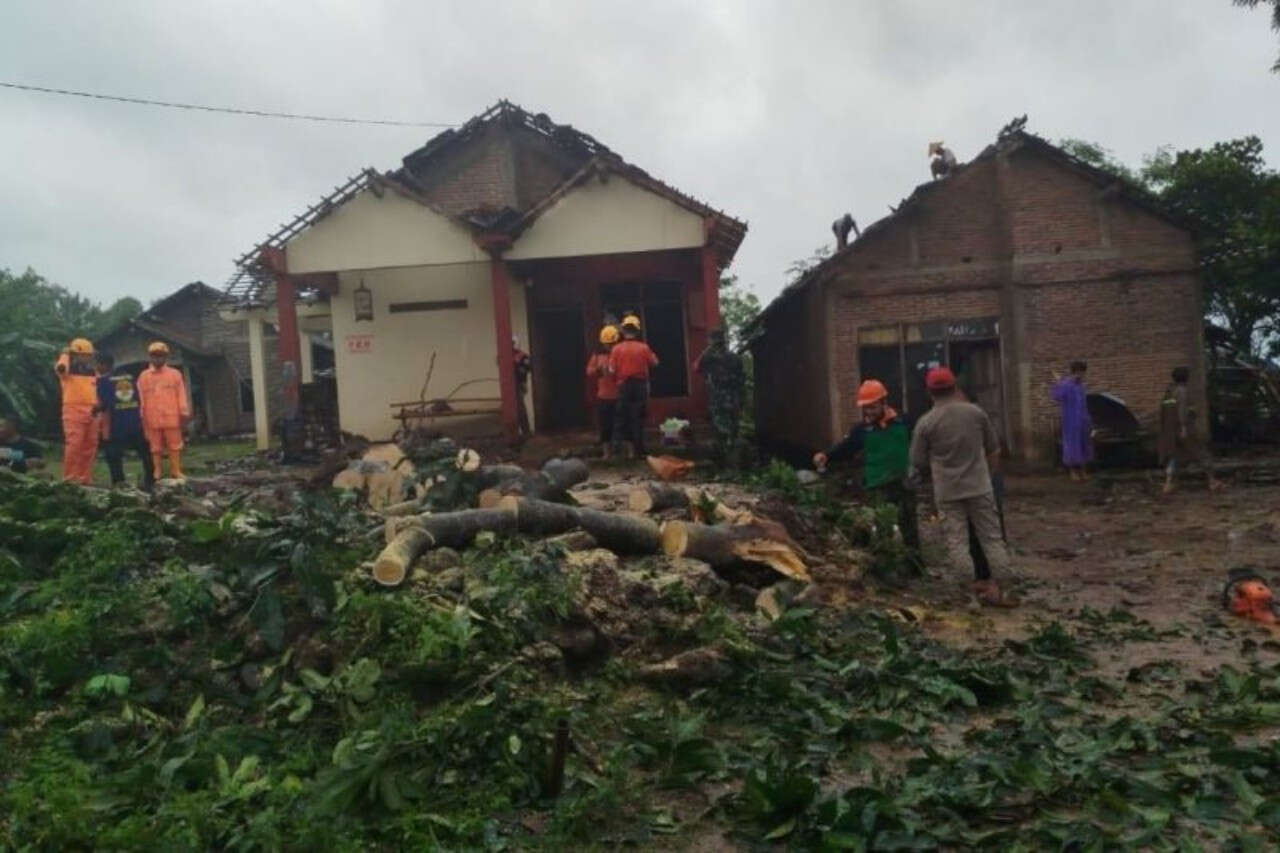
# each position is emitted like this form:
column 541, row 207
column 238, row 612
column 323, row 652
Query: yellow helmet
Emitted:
column 609, row 335
column 631, row 320
column 158, row 348
column 81, row 346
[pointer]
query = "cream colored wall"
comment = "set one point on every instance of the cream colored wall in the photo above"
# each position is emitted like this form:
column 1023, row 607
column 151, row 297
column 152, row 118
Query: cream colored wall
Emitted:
column 601, row 218
column 401, row 344
column 370, row 232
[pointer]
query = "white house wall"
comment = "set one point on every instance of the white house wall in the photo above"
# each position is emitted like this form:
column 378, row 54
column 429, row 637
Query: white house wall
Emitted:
column 385, row 360
column 598, row 218
column 369, row 232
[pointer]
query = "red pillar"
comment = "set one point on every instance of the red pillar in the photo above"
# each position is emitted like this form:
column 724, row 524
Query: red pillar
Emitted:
column 290, row 345
column 711, row 286
column 501, row 280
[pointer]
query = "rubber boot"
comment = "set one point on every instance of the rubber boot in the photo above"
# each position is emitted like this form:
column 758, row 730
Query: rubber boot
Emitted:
column 175, row 465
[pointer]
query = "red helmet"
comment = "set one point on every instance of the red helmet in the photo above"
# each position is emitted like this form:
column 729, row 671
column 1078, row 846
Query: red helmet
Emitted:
column 940, row 379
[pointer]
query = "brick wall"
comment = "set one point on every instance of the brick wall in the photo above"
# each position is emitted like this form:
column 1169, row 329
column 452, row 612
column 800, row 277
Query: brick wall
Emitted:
column 1072, row 272
column 791, row 391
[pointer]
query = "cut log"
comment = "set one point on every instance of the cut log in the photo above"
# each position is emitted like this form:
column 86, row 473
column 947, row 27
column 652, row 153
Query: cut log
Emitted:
column 723, row 545
column 453, row 529
column 489, row 498
column 623, row 534
column 490, row 476
column 552, row 483
column 655, row 497
column 412, row 507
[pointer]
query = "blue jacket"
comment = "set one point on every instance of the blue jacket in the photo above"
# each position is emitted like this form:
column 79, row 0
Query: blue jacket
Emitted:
column 118, row 397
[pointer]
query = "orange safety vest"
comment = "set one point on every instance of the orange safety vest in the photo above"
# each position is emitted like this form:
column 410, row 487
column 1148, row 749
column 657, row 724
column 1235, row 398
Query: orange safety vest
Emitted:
column 164, row 398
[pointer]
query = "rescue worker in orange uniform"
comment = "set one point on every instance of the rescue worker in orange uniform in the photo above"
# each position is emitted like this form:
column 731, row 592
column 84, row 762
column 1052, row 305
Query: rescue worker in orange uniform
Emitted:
column 165, row 409
column 79, row 422
column 606, row 388
column 629, row 362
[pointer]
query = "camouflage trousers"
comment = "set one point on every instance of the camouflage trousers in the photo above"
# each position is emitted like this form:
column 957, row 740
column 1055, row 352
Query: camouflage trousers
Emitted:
column 726, row 418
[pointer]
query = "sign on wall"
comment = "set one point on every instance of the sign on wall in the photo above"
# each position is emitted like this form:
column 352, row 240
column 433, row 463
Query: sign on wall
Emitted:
column 359, row 344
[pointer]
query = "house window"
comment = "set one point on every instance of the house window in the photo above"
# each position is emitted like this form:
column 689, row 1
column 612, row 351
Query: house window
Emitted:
column 660, row 305
column 246, row 396
column 901, row 355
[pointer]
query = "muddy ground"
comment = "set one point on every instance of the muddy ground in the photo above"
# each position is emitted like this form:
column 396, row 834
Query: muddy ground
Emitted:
column 1115, row 542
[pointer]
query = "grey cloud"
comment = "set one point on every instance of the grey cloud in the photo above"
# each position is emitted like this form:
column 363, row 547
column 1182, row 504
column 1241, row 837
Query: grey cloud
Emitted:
column 785, row 114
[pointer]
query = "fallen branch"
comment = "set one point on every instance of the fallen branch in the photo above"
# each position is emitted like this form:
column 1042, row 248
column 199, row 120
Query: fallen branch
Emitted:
column 624, row 534
column 552, row 483
column 424, row 532
column 655, row 497
column 724, row 545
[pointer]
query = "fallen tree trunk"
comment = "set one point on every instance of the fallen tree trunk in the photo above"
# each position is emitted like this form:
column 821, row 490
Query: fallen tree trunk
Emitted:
column 624, row 534
column 724, row 545
column 552, row 483
column 655, row 497
column 453, row 529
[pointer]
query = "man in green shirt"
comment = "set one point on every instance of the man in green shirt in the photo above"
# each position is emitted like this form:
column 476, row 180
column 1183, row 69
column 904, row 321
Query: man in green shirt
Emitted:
column 884, row 439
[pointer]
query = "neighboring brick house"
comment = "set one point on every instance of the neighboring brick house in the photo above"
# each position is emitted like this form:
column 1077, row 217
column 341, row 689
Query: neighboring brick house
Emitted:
column 1008, row 269
column 212, row 353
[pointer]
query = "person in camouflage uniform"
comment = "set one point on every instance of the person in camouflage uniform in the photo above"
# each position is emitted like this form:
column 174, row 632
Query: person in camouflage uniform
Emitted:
column 726, row 380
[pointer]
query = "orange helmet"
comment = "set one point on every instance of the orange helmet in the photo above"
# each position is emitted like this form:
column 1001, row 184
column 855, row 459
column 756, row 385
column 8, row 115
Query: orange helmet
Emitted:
column 871, row 391
column 609, row 335
column 81, row 346
column 158, row 348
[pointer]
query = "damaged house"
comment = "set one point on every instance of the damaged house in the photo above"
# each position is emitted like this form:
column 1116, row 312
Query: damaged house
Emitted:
column 511, row 226
column 1007, row 269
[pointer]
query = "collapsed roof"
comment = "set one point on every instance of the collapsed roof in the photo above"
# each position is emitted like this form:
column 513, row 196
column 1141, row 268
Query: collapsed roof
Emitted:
column 495, row 175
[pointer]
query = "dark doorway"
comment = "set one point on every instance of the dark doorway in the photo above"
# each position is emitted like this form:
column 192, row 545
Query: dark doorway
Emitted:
column 559, row 369
column 977, row 368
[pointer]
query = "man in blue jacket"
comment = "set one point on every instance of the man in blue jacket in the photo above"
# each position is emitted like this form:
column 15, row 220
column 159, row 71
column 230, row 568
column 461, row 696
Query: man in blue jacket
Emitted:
column 118, row 400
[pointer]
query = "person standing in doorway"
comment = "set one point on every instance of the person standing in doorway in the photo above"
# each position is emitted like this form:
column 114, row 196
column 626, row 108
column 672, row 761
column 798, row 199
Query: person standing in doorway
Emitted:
column 884, row 438
column 1179, row 442
column 165, row 409
column 956, row 444
column 1070, row 394
column 122, row 418
column 79, row 424
column 606, row 388
column 523, row 366
column 629, row 361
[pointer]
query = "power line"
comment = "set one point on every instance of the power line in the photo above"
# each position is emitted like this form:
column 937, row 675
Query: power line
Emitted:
column 208, row 109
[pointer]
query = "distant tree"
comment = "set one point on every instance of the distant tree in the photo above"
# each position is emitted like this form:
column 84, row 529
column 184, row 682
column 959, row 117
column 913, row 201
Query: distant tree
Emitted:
column 125, row 308
column 1235, row 198
column 1096, row 155
column 38, row 320
column 799, row 267
column 738, row 307
column 1275, row 17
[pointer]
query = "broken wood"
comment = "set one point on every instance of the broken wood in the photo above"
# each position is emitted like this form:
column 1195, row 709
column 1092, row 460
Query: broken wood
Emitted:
column 453, row 529
column 552, row 483
column 412, row 507
column 723, row 545
column 655, row 497
column 624, row 534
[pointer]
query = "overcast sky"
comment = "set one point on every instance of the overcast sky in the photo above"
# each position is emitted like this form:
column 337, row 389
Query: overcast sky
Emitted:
column 783, row 114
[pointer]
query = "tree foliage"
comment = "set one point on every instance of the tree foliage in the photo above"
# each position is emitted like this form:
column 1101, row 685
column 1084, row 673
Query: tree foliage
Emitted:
column 1228, row 189
column 39, row 319
column 739, row 306
column 1099, row 156
column 1275, row 17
